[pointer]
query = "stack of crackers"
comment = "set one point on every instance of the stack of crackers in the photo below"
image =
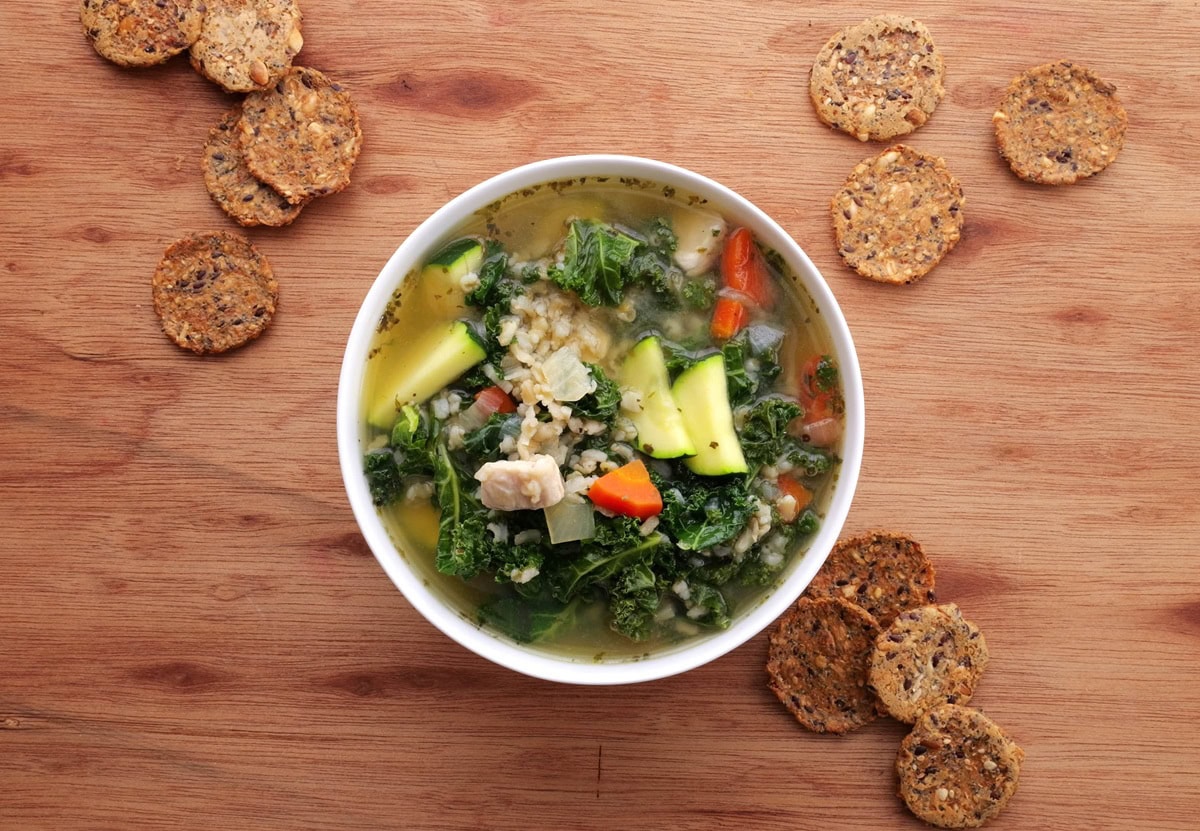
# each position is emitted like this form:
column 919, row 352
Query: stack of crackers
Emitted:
column 900, row 212
column 295, row 137
column 868, row 638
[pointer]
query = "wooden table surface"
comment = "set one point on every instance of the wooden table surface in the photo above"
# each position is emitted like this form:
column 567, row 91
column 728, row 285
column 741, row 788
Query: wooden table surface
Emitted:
column 193, row 633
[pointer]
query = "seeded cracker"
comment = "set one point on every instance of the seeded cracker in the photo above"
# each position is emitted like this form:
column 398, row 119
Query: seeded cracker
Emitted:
column 214, row 292
column 1059, row 123
column 883, row 572
column 817, row 664
column 928, row 656
column 302, row 136
column 141, row 32
column 879, row 79
column 897, row 215
column 957, row 767
column 247, row 45
column 245, row 198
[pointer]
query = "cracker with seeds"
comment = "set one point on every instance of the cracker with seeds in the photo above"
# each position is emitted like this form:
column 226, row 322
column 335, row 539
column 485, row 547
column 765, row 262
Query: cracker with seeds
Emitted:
column 301, row 136
column 879, row 79
column 247, row 199
column 897, row 215
column 957, row 767
column 928, row 656
column 883, row 572
column 214, row 292
column 141, row 32
column 817, row 664
column 246, row 45
column 1059, row 123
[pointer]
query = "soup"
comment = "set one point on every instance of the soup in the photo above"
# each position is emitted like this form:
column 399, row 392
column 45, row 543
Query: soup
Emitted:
column 601, row 419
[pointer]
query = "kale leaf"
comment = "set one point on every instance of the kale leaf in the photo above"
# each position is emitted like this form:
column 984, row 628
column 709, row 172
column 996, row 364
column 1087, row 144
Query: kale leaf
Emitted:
column 594, row 262
column 633, row 601
column 808, row 460
column 413, row 438
column 699, row 513
column 463, row 546
column 764, row 434
column 527, row 619
column 751, row 363
column 383, row 476
column 601, row 405
column 616, row 546
column 483, row 445
column 700, row 294
column 709, row 598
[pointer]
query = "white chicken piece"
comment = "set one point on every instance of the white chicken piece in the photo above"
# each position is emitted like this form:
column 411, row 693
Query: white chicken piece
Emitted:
column 521, row 485
column 698, row 237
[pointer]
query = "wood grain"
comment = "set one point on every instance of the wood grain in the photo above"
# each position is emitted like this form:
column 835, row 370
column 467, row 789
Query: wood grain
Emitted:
column 192, row 632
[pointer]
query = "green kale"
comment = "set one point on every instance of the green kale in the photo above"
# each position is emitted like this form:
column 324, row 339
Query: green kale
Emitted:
column 764, row 434
column 709, row 598
column 464, row 547
column 603, row 404
column 513, row 559
column 660, row 236
column 413, row 438
column 633, row 600
column 700, row 512
column 616, row 546
column 383, row 476
column 826, row 376
column 700, row 294
column 526, row 620
column 752, row 571
column 494, row 284
column 483, row 445
column 594, row 262
column 751, row 363
column 808, row 460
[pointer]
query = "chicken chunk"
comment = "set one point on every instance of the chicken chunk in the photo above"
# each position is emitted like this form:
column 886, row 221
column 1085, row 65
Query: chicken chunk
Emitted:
column 521, row 485
column 699, row 236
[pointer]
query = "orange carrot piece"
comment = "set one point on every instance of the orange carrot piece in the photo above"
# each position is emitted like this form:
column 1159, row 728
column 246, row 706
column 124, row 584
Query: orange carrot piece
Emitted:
column 627, row 491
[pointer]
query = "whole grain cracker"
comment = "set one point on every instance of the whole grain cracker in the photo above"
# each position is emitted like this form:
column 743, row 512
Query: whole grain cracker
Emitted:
column 141, row 32
column 817, row 664
column 1059, row 123
column 957, row 767
column 301, row 136
column 878, row 79
column 897, row 215
column 214, row 292
column 247, row 45
column 881, row 571
column 928, row 656
column 247, row 199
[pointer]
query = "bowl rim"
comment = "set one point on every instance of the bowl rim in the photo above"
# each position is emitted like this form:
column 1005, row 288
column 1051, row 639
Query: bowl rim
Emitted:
column 527, row 660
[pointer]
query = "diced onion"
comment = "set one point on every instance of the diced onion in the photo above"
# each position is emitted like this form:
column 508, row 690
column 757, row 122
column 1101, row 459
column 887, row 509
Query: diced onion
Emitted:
column 569, row 521
column 566, row 375
column 473, row 417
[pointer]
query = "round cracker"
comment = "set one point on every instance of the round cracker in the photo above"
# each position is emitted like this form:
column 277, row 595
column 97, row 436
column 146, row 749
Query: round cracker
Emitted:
column 928, row 656
column 302, row 136
column 1059, row 123
column 141, row 32
column 248, row 200
column 883, row 572
column 818, row 664
column 879, row 79
column 246, row 45
column 957, row 767
column 898, row 215
column 214, row 292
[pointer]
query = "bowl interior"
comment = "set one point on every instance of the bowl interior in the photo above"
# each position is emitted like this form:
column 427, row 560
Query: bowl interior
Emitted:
column 455, row 623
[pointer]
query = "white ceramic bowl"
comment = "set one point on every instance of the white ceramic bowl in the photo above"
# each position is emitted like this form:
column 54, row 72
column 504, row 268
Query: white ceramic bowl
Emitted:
column 457, row 623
